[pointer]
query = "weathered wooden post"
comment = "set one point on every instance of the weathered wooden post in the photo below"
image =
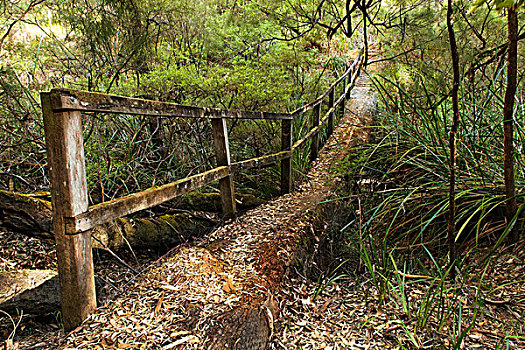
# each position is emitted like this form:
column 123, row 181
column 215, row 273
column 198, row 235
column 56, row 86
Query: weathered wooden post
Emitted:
column 331, row 98
column 67, row 170
column 222, row 152
column 286, row 163
column 343, row 101
column 348, row 81
column 314, row 147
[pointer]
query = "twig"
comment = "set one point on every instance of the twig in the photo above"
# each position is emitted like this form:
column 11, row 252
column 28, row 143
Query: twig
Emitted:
column 105, row 247
column 18, row 177
column 15, row 325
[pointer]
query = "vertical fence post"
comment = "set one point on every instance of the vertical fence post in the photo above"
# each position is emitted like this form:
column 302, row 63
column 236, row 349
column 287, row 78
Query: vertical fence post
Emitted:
column 314, row 147
column 343, row 102
column 67, row 170
column 222, row 153
column 348, row 81
column 331, row 98
column 286, row 164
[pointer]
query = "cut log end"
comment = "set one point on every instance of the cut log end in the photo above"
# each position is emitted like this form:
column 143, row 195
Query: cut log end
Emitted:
column 244, row 328
column 34, row 291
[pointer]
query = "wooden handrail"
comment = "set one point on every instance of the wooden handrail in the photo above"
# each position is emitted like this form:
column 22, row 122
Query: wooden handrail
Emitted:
column 259, row 161
column 321, row 98
column 106, row 211
column 73, row 219
column 87, row 101
column 101, row 213
column 326, row 117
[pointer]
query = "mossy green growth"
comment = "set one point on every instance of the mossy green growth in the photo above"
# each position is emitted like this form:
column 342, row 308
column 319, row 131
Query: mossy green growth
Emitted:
column 163, row 232
column 211, row 202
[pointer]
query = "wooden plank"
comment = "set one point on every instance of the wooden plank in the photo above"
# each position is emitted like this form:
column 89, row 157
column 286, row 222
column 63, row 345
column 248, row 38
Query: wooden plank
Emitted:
column 314, row 146
column 299, row 143
column 259, row 162
column 107, row 211
column 343, row 101
column 222, row 153
column 86, row 101
column 65, row 155
column 286, row 163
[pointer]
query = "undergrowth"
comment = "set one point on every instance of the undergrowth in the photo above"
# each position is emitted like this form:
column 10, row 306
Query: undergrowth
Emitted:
column 393, row 236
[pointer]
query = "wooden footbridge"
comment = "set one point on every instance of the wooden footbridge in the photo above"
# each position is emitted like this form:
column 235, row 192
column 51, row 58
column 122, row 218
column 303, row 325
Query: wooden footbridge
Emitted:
column 73, row 218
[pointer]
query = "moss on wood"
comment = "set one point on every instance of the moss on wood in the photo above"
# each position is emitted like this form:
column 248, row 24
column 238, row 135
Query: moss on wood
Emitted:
column 31, row 215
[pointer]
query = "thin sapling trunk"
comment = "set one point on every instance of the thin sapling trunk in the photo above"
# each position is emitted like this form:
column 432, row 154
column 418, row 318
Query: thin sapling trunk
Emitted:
column 508, row 121
column 452, row 139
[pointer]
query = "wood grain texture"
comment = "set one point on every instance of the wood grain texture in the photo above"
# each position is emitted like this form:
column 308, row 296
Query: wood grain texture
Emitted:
column 222, row 154
column 65, row 154
column 243, row 328
column 25, row 213
column 86, row 101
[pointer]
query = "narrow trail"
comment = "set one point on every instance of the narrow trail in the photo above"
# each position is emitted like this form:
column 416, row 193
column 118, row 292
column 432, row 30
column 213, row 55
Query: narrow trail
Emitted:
column 228, row 291
column 327, row 323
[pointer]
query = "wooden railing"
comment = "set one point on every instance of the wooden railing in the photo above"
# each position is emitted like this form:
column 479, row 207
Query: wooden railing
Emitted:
column 73, row 218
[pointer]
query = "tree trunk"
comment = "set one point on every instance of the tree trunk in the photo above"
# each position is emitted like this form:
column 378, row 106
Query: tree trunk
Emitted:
column 508, row 122
column 452, row 139
column 348, row 20
column 31, row 215
column 365, row 32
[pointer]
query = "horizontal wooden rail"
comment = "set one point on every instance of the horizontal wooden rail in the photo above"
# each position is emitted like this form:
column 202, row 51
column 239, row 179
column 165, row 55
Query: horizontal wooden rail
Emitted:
column 86, row 101
column 260, row 161
column 107, row 211
column 73, row 219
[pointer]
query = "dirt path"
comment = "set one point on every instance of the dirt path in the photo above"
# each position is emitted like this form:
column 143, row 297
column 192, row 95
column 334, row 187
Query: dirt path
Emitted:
column 227, row 291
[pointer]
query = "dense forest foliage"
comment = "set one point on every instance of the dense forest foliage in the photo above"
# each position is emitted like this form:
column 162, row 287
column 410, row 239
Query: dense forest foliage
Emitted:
column 231, row 55
column 440, row 140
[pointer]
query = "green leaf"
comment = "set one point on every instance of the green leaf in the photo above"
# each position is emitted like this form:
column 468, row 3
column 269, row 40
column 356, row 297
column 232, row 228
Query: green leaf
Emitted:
column 500, row 4
column 478, row 3
column 504, row 3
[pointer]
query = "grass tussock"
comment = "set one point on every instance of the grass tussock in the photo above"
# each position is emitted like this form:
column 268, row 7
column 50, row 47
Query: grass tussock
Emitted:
column 393, row 240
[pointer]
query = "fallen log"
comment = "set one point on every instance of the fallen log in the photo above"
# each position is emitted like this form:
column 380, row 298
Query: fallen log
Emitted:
column 25, row 214
column 31, row 215
column 34, row 291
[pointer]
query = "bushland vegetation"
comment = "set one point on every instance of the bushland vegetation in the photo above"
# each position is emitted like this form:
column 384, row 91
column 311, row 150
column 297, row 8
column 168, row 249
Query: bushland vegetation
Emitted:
column 434, row 200
column 223, row 54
